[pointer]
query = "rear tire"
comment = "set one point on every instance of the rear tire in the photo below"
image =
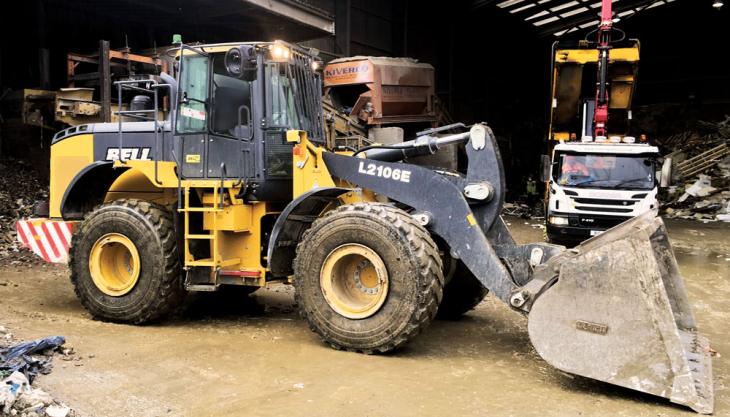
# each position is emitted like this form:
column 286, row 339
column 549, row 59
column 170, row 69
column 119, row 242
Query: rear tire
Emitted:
column 124, row 262
column 461, row 294
column 405, row 266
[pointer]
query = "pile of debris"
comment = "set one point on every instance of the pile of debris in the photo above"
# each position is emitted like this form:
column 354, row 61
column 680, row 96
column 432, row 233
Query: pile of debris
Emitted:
column 19, row 365
column 700, row 172
column 20, row 188
column 523, row 210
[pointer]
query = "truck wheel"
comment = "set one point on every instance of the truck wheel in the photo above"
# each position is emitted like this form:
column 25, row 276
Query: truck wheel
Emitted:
column 124, row 262
column 368, row 278
column 462, row 293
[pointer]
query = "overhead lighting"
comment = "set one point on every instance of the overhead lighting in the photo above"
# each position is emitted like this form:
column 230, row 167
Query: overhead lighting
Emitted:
column 717, row 4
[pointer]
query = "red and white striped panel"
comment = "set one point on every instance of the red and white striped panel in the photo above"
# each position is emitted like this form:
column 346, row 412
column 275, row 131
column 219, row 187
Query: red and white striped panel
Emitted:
column 48, row 239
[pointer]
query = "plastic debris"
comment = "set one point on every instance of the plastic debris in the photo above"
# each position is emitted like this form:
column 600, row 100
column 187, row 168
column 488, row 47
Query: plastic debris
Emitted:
column 18, row 365
column 57, row 410
column 22, row 357
column 12, row 387
column 701, row 188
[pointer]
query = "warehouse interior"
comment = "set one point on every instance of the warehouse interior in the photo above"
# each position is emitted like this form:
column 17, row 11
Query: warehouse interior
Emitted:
column 492, row 58
column 461, row 228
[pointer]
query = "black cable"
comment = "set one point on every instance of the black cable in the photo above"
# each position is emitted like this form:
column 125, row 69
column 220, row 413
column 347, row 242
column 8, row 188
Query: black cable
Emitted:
column 367, row 148
column 346, row 148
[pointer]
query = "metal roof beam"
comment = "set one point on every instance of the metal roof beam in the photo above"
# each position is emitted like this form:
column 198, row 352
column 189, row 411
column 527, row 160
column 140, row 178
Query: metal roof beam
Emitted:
column 585, row 17
column 297, row 12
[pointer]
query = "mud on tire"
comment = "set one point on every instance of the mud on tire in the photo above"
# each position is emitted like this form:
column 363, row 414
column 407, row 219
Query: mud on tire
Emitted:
column 415, row 277
column 158, row 289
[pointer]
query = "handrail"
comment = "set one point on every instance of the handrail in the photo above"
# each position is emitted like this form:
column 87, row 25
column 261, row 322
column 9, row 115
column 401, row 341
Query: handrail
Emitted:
column 152, row 87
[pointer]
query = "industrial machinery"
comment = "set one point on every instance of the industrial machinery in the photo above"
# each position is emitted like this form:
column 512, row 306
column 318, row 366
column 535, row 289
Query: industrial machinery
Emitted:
column 238, row 188
column 598, row 174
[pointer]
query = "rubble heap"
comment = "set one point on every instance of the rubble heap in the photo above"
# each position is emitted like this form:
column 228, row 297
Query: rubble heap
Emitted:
column 20, row 188
column 20, row 363
column 701, row 173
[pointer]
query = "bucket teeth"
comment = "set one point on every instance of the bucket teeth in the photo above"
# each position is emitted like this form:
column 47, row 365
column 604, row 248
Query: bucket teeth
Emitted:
column 697, row 391
column 620, row 298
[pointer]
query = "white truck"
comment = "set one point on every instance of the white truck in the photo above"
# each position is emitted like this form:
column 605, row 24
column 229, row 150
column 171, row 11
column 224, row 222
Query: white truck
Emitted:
column 595, row 186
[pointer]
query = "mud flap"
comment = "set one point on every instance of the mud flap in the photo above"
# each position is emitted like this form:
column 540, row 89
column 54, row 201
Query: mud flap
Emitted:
column 619, row 313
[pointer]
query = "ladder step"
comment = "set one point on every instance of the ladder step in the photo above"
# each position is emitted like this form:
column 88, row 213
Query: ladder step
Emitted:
column 230, row 262
column 201, row 287
column 200, row 237
column 200, row 262
column 210, row 262
column 200, row 210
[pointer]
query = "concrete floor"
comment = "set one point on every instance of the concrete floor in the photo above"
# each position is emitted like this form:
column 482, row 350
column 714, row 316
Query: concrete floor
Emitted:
column 258, row 358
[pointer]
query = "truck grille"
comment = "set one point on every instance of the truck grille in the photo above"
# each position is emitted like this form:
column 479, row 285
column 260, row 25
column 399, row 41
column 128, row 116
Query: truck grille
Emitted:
column 604, row 209
column 601, row 222
column 605, row 201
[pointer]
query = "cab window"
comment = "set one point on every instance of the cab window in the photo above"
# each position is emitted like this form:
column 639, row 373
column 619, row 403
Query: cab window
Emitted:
column 192, row 113
column 231, row 102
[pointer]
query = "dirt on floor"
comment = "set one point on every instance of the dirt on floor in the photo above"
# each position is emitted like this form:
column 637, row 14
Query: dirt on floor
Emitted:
column 226, row 357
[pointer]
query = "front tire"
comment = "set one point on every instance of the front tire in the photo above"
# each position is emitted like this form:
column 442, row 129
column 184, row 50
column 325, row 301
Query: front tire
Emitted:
column 462, row 293
column 368, row 278
column 124, row 262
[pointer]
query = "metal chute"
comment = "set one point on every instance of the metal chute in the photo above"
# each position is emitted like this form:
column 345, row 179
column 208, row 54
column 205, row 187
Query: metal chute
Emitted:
column 619, row 313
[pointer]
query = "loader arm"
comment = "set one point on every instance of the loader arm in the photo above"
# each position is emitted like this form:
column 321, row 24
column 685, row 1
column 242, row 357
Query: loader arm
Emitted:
column 618, row 296
column 461, row 221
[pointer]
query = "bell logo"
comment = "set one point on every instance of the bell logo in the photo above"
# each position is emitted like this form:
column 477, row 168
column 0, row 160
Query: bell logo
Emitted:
column 112, row 154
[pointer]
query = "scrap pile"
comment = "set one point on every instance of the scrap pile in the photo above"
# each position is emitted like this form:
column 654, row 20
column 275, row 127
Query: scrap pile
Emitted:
column 700, row 173
column 20, row 188
column 20, row 363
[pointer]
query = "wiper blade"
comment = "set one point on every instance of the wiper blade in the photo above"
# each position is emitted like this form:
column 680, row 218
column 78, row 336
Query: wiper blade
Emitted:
column 624, row 182
column 584, row 182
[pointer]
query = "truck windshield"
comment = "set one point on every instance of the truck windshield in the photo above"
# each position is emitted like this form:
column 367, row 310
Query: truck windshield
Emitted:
column 635, row 172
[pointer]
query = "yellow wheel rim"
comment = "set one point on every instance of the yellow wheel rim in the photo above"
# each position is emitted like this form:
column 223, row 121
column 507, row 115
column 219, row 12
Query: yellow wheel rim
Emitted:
column 354, row 281
column 114, row 264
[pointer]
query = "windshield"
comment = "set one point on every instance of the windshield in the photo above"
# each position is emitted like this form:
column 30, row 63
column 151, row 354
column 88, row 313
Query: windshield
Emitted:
column 282, row 111
column 604, row 171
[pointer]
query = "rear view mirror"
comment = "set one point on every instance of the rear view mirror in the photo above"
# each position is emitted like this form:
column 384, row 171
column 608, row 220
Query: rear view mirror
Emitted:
column 545, row 168
column 666, row 174
column 240, row 62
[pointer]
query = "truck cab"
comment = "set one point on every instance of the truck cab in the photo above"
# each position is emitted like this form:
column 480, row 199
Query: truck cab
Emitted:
column 595, row 186
column 598, row 171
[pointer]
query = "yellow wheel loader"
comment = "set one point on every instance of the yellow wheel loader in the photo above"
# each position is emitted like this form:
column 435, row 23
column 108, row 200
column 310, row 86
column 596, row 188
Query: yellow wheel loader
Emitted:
column 237, row 188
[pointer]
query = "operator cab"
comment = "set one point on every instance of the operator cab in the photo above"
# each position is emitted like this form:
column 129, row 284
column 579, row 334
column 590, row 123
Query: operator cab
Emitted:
column 235, row 104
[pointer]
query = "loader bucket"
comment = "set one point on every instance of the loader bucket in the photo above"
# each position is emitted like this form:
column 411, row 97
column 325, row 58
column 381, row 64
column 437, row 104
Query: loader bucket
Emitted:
column 619, row 313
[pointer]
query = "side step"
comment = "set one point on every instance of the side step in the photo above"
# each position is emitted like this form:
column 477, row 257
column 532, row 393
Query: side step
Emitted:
column 201, row 287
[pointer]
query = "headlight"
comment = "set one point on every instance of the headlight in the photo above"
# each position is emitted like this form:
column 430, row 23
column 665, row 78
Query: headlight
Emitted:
column 279, row 52
column 558, row 221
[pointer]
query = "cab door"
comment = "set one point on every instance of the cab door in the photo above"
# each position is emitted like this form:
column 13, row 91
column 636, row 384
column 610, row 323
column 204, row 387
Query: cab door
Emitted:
column 232, row 131
column 192, row 115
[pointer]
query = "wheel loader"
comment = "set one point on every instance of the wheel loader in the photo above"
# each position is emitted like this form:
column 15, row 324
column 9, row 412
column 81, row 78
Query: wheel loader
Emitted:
column 237, row 188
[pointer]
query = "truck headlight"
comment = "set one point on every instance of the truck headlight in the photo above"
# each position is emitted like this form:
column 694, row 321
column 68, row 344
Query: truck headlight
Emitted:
column 558, row 221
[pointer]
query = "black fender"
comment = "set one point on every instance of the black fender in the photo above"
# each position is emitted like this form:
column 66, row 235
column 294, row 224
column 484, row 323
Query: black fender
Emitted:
column 88, row 189
column 296, row 218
